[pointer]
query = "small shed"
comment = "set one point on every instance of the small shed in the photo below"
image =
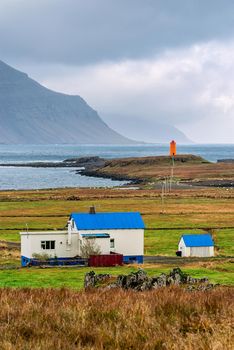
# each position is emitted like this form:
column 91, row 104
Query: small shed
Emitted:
column 196, row 245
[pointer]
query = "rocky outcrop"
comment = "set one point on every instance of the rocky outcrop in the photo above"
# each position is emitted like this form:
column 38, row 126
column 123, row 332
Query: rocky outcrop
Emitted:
column 231, row 160
column 82, row 162
column 86, row 162
column 140, row 281
column 91, row 280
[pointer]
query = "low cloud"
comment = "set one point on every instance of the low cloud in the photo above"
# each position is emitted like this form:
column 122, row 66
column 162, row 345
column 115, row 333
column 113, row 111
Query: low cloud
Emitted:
column 90, row 31
column 152, row 60
column 191, row 88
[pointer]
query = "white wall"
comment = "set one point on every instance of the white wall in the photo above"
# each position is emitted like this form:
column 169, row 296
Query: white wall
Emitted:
column 127, row 242
column 102, row 243
column 195, row 251
column 202, row 251
column 31, row 243
column 185, row 250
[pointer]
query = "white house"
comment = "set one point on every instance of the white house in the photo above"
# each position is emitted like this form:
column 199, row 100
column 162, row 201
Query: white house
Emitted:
column 196, row 245
column 121, row 233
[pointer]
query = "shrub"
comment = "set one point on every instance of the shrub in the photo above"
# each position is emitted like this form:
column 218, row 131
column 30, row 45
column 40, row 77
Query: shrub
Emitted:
column 89, row 247
column 41, row 256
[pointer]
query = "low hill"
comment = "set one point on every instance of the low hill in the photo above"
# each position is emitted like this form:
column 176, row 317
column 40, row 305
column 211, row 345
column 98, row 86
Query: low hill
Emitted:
column 146, row 169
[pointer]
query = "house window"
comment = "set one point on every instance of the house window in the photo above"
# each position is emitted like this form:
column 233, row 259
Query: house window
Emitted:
column 72, row 224
column 48, row 245
column 112, row 243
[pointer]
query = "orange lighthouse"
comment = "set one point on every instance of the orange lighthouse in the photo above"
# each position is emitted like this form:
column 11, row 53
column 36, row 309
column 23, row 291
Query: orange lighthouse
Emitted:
column 173, row 148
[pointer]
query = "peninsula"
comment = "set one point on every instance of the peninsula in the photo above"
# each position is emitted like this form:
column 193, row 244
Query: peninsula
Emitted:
column 187, row 169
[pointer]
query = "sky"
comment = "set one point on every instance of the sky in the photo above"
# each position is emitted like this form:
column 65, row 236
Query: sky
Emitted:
column 134, row 61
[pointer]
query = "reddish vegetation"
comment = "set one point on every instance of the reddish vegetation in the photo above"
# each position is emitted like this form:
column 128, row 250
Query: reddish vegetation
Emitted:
column 169, row 318
column 75, row 194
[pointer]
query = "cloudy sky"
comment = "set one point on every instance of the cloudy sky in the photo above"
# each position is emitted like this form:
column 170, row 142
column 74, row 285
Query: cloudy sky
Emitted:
column 134, row 61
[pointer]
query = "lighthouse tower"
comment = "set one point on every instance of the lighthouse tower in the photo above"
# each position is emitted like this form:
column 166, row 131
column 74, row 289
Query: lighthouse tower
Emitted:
column 172, row 148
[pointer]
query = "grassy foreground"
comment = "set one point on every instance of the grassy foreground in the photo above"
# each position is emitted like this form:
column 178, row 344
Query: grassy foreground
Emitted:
column 162, row 319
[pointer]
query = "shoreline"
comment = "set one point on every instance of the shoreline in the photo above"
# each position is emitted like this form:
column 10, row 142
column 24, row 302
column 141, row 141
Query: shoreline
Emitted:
column 188, row 170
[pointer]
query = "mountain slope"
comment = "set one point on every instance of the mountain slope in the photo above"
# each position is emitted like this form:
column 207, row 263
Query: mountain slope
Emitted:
column 147, row 130
column 31, row 113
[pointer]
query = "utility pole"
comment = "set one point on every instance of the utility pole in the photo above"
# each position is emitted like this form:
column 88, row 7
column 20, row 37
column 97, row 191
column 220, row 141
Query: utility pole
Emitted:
column 162, row 196
column 172, row 172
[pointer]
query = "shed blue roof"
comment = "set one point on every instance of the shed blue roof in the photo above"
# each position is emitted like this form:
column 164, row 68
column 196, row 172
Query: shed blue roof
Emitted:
column 102, row 221
column 198, row 240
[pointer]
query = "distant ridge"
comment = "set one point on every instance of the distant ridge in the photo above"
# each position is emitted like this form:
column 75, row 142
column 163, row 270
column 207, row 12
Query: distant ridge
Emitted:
column 150, row 131
column 33, row 114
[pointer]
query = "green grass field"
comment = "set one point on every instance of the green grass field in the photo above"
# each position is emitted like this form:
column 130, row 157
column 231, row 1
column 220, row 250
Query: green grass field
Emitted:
column 74, row 277
column 181, row 213
column 196, row 215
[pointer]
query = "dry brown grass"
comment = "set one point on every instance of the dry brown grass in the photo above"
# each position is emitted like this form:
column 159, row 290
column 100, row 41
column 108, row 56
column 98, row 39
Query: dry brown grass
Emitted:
column 83, row 194
column 148, row 168
column 8, row 256
column 163, row 319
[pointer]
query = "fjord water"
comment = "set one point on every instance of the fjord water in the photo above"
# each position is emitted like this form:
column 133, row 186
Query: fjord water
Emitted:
column 37, row 178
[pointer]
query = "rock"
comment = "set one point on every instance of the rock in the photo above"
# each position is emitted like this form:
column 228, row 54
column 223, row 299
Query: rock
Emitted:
column 201, row 287
column 177, row 277
column 121, row 281
column 86, row 162
column 139, row 281
column 133, row 280
column 102, row 278
column 146, row 285
column 73, row 198
column 204, row 280
column 155, row 283
column 89, row 280
column 162, row 280
column 191, row 280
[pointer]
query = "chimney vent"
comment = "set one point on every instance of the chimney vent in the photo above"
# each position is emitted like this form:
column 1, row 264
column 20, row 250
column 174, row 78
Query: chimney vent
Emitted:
column 92, row 210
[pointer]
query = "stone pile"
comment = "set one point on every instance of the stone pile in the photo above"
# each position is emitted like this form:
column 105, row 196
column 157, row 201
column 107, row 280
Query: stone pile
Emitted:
column 92, row 280
column 139, row 281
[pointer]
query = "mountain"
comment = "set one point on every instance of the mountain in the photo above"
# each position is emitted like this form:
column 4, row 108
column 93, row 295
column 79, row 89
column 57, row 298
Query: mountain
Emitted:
column 33, row 114
column 147, row 130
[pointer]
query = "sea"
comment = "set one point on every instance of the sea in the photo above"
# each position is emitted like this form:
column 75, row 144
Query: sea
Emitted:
column 15, row 178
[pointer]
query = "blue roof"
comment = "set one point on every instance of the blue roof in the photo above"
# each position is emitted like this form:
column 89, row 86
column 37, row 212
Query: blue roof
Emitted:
column 198, row 240
column 102, row 221
column 96, row 235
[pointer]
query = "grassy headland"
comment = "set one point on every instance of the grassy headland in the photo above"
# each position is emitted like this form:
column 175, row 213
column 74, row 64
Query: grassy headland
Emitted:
column 187, row 168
